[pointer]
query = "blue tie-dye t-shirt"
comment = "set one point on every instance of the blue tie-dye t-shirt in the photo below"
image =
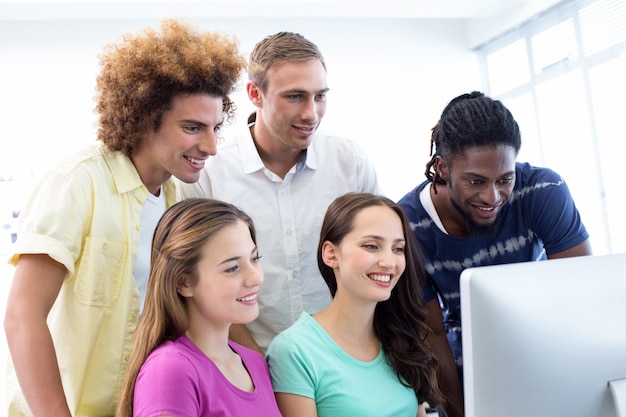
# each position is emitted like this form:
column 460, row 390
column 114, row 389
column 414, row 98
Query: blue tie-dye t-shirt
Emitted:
column 540, row 218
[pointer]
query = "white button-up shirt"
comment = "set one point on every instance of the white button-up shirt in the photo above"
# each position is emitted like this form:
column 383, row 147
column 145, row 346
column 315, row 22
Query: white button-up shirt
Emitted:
column 287, row 214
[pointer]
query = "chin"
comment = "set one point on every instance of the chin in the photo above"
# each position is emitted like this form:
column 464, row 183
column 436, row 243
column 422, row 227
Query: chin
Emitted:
column 484, row 229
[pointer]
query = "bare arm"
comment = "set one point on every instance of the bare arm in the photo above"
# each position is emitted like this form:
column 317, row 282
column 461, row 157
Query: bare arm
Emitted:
column 291, row 405
column 36, row 285
column 582, row 249
column 447, row 377
column 239, row 333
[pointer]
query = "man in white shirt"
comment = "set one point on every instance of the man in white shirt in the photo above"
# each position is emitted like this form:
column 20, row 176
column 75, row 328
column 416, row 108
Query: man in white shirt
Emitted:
column 284, row 175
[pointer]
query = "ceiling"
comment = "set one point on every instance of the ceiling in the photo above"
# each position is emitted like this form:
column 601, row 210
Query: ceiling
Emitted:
column 120, row 9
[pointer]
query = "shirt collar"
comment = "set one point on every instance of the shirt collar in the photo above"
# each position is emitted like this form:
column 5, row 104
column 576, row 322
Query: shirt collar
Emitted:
column 123, row 170
column 126, row 177
column 251, row 160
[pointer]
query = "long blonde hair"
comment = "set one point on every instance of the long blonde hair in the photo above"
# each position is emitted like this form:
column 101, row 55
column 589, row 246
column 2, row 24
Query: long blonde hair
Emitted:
column 179, row 238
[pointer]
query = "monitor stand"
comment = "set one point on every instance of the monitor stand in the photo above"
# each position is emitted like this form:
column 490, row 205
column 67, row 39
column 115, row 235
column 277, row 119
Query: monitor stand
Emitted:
column 618, row 389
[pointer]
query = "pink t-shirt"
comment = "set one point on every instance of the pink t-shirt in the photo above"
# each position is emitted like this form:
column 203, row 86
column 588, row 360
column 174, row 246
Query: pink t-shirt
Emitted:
column 178, row 379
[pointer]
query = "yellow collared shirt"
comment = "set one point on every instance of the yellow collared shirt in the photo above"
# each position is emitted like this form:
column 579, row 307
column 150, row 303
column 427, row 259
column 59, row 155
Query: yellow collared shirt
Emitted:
column 85, row 214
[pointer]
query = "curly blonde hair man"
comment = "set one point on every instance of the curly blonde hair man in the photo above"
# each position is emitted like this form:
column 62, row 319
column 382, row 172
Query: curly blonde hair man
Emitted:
column 82, row 255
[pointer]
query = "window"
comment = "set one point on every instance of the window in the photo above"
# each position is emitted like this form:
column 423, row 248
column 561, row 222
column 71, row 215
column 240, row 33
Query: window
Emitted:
column 562, row 76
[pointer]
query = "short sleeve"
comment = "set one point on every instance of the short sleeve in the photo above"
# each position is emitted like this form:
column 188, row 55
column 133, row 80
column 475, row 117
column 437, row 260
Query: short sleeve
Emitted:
column 166, row 385
column 290, row 368
column 554, row 217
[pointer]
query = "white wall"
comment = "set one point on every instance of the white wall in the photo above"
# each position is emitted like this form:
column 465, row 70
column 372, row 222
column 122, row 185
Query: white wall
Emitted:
column 482, row 30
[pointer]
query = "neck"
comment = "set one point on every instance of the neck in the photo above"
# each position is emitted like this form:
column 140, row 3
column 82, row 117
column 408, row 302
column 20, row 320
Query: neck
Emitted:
column 151, row 178
column 212, row 342
column 276, row 156
column 450, row 218
column 350, row 320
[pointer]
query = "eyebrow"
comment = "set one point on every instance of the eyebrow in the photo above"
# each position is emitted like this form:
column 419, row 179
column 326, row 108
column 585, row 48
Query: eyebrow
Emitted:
column 236, row 258
column 300, row 91
column 474, row 174
column 376, row 237
column 196, row 122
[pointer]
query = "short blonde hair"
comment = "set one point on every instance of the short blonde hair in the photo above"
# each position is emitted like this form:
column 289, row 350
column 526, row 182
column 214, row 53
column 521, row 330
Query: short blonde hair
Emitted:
column 277, row 49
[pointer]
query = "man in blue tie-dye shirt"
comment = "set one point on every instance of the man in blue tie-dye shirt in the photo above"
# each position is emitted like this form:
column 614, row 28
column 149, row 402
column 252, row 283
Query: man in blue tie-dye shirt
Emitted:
column 480, row 207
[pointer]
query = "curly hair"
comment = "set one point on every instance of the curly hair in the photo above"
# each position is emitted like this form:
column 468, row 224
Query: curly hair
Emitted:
column 399, row 322
column 468, row 121
column 141, row 76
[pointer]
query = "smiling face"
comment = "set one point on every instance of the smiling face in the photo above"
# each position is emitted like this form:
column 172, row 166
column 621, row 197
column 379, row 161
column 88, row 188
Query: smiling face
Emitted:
column 229, row 278
column 293, row 105
column 183, row 142
column 479, row 183
column 370, row 259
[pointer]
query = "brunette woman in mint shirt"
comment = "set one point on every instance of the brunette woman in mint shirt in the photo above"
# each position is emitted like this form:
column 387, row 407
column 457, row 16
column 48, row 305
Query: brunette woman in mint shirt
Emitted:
column 366, row 354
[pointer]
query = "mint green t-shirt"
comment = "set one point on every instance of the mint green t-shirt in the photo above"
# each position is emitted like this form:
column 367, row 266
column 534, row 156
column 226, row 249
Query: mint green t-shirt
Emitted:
column 305, row 360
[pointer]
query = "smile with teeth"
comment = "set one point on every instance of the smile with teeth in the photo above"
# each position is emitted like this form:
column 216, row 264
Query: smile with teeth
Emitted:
column 485, row 208
column 247, row 298
column 195, row 160
column 305, row 128
column 381, row 278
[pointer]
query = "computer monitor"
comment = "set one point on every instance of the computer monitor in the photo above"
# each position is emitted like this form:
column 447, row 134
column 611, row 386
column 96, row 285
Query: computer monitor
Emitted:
column 545, row 338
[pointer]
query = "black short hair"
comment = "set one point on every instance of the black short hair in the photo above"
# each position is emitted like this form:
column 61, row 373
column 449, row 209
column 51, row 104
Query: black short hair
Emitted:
column 472, row 121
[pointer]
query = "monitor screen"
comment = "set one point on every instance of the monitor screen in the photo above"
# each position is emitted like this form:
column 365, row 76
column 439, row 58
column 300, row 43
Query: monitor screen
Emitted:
column 544, row 338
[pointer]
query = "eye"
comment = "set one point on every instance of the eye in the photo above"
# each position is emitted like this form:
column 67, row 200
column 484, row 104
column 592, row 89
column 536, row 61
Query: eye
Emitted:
column 294, row 97
column 320, row 97
column 256, row 259
column 475, row 182
column 232, row 269
column 370, row 246
column 191, row 129
column 508, row 180
column 217, row 128
column 399, row 249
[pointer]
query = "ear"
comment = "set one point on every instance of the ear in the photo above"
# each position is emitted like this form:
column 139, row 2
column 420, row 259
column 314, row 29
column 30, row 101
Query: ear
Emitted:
column 183, row 285
column 441, row 167
column 329, row 254
column 254, row 94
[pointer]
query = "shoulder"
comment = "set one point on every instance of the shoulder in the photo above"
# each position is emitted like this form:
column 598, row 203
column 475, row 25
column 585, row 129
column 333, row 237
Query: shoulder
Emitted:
column 410, row 202
column 170, row 358
column 248, row 355
column 324, row 143
column 534, row 183
column 296, row 336
column 84, row 160
column 528, row 174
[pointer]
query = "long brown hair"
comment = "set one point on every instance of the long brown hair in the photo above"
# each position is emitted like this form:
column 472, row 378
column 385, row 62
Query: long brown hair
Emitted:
column 179, row 238
column 400, row 321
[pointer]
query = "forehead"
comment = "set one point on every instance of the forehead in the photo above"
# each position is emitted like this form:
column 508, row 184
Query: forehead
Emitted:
column 195, row 106
column 378, row 219
column 488, row 161
column 298, row 75
column 229, row 240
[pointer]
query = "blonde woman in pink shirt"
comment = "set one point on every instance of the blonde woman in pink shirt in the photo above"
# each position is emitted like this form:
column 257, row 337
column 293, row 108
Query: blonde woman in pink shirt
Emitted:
column 205, row 275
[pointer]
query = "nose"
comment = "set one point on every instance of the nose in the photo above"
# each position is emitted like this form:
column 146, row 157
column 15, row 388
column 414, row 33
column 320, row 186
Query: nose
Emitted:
column 208, row 143
column 387, row 259
column 255, row 275
column 491, row 195
column 309, row 112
